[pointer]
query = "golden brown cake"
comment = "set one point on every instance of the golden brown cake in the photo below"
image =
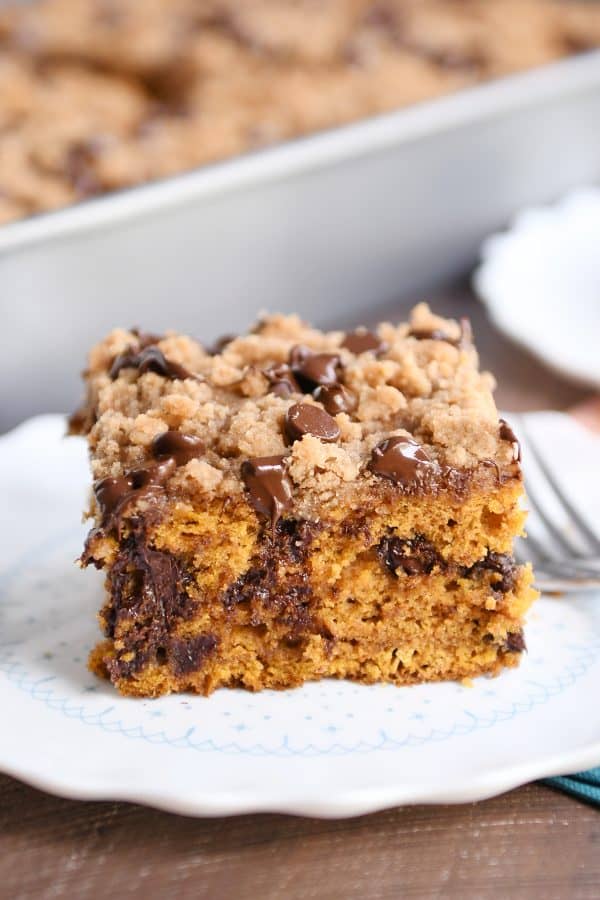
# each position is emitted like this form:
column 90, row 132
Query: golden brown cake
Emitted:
column 97, row 95
column 293, row 505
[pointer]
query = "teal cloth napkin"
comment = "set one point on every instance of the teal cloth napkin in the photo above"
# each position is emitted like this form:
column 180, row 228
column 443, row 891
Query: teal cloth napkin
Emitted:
column 585, row 785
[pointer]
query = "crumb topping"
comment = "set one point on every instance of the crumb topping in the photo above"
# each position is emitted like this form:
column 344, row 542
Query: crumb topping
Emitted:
column 419, row 382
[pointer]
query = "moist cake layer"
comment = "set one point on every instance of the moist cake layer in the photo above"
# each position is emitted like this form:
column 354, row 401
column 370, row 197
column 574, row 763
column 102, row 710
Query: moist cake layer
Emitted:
column 96, row 95
column 294, row 504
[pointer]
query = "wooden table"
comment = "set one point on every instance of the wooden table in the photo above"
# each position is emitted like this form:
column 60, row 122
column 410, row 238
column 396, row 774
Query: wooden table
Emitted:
column 532, row 842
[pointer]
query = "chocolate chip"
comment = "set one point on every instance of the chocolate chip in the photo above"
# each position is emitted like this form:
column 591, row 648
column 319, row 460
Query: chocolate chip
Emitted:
column 401, row 460
column 170, row 449
column 269, row 488
column 186, row 655
column 507, row 434
column 335, row 398
column 413, row 556
column 500, row 563
column 436, row 334
column 180, row 447
column 110, row 491
column 114, row 494
column 151, row 359
column 148, row 597
column 515, row 642
column 363, row 341
column 281, row 380
column 304, row 418
column 430, row 334
column 153, row 474
column 313, row 369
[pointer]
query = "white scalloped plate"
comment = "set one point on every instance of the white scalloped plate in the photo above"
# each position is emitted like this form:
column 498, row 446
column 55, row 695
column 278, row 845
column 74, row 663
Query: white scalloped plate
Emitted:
column 327, row 749
column 540, row 282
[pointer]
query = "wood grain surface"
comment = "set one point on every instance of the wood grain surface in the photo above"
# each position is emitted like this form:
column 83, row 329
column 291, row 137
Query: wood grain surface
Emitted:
column 530, row 843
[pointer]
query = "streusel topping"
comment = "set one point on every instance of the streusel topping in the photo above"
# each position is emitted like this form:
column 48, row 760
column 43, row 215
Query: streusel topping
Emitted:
column 416, row 382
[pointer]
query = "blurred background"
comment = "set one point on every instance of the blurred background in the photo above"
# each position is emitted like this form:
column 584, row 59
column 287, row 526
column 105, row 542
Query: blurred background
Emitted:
column 186, row 164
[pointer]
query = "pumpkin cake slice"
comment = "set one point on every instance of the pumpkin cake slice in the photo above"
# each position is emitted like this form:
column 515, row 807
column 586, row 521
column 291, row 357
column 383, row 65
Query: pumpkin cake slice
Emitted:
column 292, row 505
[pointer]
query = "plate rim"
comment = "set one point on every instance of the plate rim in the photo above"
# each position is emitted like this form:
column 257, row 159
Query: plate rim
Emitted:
column 346, row 804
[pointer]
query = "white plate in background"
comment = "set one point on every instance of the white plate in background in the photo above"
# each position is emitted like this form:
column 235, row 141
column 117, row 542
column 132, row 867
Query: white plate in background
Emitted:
column 330, row 748
column 540, row 282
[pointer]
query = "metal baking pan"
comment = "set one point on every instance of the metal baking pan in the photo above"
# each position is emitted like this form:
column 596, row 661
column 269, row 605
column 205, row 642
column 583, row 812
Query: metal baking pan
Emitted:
column 336, row 226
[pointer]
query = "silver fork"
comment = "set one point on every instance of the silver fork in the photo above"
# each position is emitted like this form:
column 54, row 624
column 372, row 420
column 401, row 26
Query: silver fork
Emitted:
column 567, row 557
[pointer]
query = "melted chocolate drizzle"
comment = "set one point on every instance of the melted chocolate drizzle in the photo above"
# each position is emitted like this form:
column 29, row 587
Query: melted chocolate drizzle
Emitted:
column 268, row 486
column 115, row 494
column 400, row 460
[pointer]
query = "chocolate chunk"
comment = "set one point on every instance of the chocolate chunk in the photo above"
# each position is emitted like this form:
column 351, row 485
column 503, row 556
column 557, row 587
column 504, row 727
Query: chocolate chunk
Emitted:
column 281, row 380
column 148, row 591
column 175, row 445
column 436, row 334
column 515, row 642
column 304, row 418
column 401, row 460
column 170, row 449
column 413, row 556
column 335, row 398
column 507, row 434
column 500, row 563
column 114, row 494
column 109, row 492
column 313, row 369
column 151, row 359
column 363, row 341
column 186, row 655
column 152, row 474
column 269, row 488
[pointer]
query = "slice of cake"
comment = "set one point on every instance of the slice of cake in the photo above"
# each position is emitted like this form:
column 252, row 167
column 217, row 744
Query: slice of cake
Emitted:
column 293, row 505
